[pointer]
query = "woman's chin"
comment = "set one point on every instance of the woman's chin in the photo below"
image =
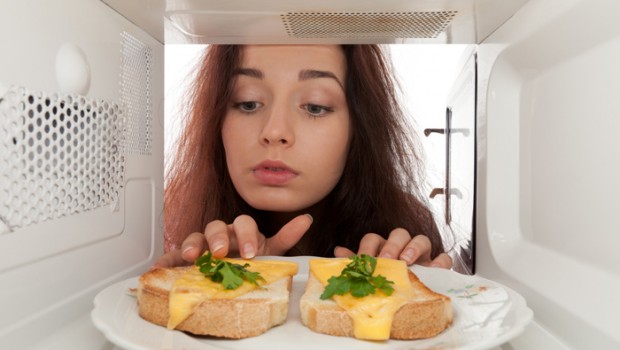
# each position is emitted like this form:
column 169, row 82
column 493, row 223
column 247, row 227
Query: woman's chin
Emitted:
column 281, row 205
column 276, row 207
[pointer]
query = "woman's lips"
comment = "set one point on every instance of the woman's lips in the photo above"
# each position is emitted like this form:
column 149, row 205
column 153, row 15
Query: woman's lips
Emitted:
column 273, row 173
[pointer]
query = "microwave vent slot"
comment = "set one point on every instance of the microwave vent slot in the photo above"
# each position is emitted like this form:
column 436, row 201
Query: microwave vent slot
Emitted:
column 135, row 92
column 419, row 25
column 60, row 154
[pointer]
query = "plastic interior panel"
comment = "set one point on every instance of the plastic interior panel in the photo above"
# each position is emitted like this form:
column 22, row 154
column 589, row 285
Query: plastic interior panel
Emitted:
column 61, row 154
column 50, row 270
column 363, row 21
column 550, row 187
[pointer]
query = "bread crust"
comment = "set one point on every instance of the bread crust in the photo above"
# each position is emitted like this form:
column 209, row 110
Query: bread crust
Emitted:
column 425, row 316
column 246, row 316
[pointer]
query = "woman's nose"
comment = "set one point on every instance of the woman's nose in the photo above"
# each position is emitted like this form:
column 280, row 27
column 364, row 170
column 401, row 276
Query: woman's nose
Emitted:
column 278, row 129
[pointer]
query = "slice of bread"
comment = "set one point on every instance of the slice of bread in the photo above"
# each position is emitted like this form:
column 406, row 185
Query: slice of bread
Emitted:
column 248, row 315
column 424, row 316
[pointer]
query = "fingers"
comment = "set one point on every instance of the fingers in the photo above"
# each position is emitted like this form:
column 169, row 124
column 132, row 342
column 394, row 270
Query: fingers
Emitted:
column 191, row 249
column 371, row 244
column 244, row 237
column 217, row 238
column 170, row 259
column 399, row 245
column 288, row 235
column 342, row 252
column 418, row 250
column 246, row 231
column 374, row 245
column 193, row 246
column 395, row 243
column 442, row 260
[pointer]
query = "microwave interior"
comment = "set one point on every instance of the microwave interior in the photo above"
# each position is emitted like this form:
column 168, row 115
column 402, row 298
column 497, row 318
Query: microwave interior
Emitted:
column 522, row 145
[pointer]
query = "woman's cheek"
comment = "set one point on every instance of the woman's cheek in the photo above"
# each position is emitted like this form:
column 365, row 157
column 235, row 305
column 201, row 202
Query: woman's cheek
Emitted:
column 233, row 139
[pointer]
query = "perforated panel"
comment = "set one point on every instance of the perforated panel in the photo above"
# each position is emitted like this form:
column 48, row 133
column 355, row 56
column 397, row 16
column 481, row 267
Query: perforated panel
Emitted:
column 59, row 155
column 135, row 89
column 367, row 24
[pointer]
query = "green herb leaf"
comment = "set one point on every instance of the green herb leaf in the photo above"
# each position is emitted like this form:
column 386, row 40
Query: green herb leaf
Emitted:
column 336, row 285
column 251, row 276
column 230, row 275
column 383, row 284
column 356, row 278
column 361, row 287
column 230, row 279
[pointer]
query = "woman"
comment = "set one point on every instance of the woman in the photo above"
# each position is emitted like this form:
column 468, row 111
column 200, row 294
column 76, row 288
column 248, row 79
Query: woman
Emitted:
column 297, row 150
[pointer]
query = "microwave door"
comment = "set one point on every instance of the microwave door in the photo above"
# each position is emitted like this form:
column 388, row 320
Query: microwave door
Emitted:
column 461, row 165
column 455, row 191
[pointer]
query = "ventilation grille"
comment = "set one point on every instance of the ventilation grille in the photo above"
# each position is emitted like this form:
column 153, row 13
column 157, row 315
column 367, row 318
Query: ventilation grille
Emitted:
column 59, row 155
column 135, row 89
column 367, row 24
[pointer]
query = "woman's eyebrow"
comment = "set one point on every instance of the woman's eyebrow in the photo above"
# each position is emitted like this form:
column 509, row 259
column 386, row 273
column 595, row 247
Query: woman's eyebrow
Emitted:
column 314, row 74
column 250, row 72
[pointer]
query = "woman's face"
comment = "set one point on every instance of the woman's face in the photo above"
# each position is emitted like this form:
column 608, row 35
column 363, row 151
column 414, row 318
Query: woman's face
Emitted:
column 287, row 129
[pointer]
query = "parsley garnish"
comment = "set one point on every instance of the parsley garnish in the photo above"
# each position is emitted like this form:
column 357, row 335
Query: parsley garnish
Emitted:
column 357, row 279
column 230, row 275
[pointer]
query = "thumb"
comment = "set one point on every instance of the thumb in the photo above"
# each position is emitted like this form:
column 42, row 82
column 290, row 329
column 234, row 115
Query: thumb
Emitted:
column 289, row 235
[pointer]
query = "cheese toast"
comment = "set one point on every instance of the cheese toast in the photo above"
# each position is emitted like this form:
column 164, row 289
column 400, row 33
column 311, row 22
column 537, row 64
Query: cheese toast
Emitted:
column 249, row 314
column 422, row 314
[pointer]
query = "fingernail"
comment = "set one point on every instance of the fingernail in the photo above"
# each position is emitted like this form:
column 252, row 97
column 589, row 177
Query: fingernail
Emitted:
column 310, row 216
column 217, row 246
column 407, row 255
column 248, row 251
column 336, row 249
column 186, row 249
column 385, row 255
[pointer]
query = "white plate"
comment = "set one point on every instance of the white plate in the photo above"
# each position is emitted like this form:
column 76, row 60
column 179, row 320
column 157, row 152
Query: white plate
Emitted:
column 486, row 314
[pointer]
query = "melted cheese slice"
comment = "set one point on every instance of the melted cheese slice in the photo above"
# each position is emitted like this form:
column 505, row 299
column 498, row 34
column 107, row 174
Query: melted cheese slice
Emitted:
column 191, row 289
column 373, row 314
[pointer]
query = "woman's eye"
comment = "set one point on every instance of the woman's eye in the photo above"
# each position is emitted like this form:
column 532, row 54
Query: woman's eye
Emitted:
column 247, row 106
column 316, row 110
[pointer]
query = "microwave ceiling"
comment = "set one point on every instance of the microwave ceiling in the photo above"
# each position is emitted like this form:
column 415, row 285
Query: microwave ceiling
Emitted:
column 317, row 21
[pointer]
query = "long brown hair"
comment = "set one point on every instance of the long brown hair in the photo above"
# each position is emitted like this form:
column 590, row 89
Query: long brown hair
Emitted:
column 378, row 191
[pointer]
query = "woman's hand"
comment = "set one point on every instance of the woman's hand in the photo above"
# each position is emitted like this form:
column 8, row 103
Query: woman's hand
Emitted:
column 399, row 245
column 241, row 237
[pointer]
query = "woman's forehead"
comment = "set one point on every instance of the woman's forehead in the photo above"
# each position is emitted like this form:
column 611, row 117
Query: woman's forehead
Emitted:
column 295, row 57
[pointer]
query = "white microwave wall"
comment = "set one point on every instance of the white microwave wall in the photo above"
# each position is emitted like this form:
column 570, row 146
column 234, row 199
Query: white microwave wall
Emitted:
column 548, row 169
column 81, row 163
